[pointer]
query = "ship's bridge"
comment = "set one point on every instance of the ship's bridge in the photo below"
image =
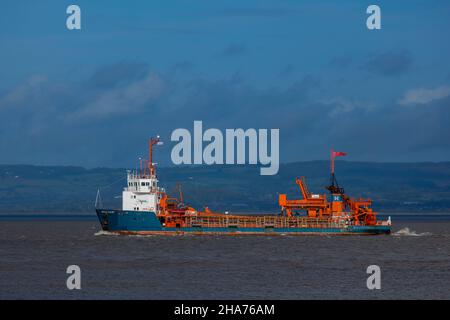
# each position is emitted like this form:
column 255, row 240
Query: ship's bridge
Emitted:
column 142, row 192
column 141, row 183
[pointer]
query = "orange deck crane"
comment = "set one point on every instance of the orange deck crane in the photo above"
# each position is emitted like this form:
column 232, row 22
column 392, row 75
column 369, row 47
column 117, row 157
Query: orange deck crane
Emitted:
column 357, row 210
column 314, row 204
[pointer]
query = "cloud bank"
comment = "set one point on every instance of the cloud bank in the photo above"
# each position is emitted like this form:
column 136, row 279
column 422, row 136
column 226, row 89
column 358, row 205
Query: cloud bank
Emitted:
column 424, row 95
column 105, row 119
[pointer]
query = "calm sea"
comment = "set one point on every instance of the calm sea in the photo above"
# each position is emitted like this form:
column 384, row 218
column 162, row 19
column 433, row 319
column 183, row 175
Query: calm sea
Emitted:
column 35, row 252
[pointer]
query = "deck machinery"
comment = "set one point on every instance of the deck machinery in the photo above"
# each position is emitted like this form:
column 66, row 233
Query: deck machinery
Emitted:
column 358, row 211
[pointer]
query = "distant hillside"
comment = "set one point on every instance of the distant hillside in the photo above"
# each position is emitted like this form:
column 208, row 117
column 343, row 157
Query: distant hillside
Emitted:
column 394, row 187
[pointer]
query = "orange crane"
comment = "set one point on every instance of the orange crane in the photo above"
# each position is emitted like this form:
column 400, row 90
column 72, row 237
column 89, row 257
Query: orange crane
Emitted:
column 357, row 210
column 314, row 204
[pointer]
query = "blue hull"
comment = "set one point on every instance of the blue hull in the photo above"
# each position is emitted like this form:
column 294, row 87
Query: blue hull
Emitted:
column 146, row 222
column 120, row 220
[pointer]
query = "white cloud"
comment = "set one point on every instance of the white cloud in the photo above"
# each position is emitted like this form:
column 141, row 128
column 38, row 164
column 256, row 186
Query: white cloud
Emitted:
column 25, row 92
column 344, row 105
column 424, row 95
column 130, row 98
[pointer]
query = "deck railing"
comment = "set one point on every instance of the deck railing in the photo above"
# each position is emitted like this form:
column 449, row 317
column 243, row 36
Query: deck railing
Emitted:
column 212, row 221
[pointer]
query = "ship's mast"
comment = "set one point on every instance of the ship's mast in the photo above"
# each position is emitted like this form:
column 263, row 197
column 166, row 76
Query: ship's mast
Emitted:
column 334, row 186
column 153, row 141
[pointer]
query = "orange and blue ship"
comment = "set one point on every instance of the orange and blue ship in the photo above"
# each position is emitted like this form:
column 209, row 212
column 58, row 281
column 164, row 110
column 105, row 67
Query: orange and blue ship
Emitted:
column 148, row 210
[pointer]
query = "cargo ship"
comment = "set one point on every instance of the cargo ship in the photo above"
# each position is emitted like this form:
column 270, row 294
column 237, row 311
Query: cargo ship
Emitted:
column 148, row 210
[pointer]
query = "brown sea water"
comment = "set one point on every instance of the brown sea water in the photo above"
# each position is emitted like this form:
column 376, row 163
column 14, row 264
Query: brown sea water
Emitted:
column 34, row 255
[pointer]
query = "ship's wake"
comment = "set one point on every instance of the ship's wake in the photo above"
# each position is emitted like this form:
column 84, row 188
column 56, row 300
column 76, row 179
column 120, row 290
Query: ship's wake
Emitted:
column 407, row 232
column 105, row 233
column 109, row 233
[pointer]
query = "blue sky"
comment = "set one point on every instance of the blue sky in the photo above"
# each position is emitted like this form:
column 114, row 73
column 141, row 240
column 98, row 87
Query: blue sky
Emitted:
column 91, row 97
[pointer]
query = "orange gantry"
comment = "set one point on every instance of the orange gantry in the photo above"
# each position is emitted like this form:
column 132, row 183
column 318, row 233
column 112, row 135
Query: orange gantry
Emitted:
column 340, row 206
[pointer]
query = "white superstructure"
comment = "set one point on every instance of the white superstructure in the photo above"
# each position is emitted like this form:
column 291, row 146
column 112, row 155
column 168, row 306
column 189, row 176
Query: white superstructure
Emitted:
column 142, row 192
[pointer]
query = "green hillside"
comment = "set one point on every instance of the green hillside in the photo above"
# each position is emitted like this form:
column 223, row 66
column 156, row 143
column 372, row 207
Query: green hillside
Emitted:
column 394, row 187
